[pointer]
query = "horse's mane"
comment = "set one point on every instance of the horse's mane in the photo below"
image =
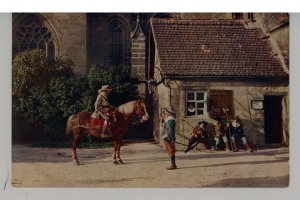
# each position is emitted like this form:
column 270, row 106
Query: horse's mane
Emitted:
column 127, row 108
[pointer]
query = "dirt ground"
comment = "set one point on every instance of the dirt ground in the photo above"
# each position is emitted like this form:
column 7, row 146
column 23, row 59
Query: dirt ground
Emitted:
column 145, row 167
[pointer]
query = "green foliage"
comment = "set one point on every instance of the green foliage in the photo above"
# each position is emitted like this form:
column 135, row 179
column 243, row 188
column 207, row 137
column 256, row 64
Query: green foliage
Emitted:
column 119, row 79
column 32, row 68
column 35, row 93
column 46, row 92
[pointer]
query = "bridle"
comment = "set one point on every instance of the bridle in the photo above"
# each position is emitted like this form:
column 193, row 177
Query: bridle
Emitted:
column 140, row 110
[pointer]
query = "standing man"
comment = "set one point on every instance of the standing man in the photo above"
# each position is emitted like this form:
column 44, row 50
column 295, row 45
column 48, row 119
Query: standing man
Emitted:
column 168, row 134
column 102, row 106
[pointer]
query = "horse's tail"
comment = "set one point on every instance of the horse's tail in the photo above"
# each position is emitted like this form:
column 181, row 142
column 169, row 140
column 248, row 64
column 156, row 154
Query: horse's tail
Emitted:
column 69, row 125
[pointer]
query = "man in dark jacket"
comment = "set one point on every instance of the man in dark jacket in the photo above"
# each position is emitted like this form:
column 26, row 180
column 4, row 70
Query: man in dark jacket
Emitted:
column 237, row 133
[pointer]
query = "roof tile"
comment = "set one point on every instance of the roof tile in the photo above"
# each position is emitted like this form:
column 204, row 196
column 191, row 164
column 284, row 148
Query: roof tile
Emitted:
column 213, row 48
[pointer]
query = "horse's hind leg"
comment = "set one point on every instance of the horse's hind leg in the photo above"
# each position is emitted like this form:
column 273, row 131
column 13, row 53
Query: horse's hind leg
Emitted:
column 114, row 156
column 116, row 153
column 74, row 146
column 120, row 161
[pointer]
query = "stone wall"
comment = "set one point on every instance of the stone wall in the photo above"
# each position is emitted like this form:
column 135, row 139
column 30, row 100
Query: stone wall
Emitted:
column 71, row 32
column 138, row 68
column 243, row 93
column 98, row 35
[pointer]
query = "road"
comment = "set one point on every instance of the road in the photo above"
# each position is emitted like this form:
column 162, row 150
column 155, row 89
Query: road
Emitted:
column 145, row 167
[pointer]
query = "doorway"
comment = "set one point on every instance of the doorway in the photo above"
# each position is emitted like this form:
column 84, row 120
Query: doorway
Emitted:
column 273, row 119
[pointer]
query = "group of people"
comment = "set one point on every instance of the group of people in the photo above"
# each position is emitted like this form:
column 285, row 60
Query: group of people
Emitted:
column 225, row 132
column 232, row 131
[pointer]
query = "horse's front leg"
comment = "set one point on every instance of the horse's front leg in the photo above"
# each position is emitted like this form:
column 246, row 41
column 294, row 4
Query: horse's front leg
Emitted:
column 120, row 161
column 114, row 156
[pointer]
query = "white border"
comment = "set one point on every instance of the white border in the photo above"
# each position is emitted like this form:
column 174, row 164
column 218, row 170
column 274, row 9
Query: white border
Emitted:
column 291, row 192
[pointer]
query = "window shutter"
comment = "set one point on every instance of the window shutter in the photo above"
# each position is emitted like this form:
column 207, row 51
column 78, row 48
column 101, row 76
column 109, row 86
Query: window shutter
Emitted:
column 219, row 99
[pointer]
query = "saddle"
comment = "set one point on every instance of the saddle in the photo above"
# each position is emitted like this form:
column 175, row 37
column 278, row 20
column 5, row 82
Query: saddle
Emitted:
column 99, row 123
column 96, row 123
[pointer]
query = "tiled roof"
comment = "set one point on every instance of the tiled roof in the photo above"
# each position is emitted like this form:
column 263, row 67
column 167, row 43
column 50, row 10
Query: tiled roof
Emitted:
column 214, row 48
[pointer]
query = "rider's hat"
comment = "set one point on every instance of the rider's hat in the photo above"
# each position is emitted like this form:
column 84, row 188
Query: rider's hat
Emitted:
column 105, row 88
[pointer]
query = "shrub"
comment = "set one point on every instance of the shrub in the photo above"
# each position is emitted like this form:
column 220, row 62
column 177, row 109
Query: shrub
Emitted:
column 33, row 78
column 46, row 93
column 124, row 87
column 32, row 68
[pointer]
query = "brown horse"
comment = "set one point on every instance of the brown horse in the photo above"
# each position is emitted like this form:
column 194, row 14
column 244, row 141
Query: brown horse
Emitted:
column 81, row 124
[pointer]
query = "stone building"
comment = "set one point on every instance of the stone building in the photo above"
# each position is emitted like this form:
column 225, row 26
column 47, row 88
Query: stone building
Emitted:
column 210, row 66
column 128, row 39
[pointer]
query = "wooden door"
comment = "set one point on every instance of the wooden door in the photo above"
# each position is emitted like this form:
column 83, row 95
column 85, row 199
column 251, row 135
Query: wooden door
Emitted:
column 273, row 119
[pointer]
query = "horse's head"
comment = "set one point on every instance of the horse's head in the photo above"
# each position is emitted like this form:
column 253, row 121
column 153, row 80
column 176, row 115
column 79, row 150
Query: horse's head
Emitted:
column 140, row 110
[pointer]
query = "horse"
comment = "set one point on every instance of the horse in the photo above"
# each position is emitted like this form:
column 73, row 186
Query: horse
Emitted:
column 81, row 124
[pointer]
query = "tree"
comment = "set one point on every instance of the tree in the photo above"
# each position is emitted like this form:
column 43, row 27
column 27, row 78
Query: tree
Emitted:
column 33, row 81
column 46, row 92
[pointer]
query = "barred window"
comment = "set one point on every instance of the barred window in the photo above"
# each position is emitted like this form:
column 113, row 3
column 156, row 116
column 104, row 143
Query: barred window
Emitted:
column 196, row 103
column 31, row 33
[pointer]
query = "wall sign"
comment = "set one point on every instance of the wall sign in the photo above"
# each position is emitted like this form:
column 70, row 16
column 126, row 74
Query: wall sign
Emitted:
column 257, row 104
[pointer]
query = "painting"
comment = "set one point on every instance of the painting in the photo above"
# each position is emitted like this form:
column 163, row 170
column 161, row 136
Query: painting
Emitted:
column 137, row 100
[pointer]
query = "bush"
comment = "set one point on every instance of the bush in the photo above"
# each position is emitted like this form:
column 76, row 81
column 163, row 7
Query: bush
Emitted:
column 119, row 79
column 32, row 68
column 46, row 93
column 33, row 78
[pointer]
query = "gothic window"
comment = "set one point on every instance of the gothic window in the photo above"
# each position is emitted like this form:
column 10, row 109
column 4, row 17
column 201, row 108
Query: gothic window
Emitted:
column 117, row 44
column 31, row 33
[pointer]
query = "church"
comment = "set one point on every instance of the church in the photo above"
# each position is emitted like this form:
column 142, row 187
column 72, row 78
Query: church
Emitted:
column 200, row 63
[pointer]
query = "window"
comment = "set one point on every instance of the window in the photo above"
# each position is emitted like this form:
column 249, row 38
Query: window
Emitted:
column 117, row 44
column 195, row 103
column 31, row 33
column 251, row 16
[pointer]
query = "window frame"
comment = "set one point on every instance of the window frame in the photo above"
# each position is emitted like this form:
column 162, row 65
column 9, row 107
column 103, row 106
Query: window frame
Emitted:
column 204, row 101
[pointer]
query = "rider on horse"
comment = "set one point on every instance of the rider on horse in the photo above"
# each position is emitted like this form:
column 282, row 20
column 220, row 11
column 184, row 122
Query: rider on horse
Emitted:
column 102, row 106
